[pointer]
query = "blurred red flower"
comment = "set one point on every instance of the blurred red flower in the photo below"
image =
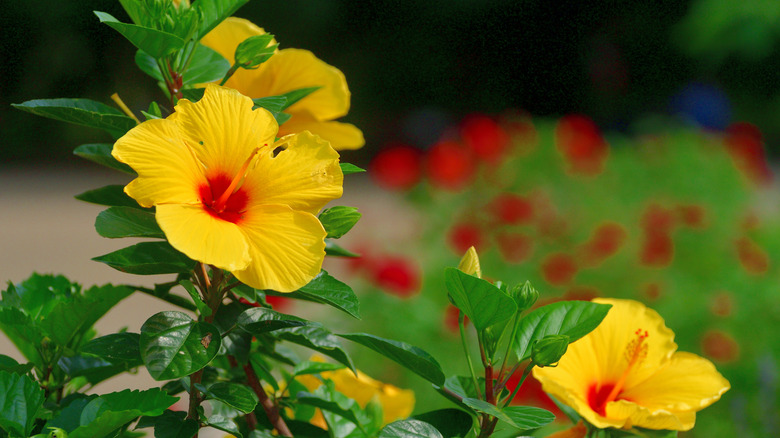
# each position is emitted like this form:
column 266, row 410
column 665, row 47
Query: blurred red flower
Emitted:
column 485, row 137
column 450, row 165
column 397, row 167
column 581, row 143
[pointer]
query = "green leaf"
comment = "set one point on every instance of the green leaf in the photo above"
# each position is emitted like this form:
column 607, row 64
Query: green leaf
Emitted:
column 319, row 339
column 116, row 348
column 528, row 417
column 81, row 112
column 10, row 364
column 214, row 12
column 274, row 104
column 203, row 308
column 411, row 357
column 295, row 95
column 347, row 168
column 259, row 320
column 173, row 345
column 117, row 222
column 337, row 221
column 449, row 422
column 100, row 153
column 325, row 289
column 281, row 118
column 111, row 195
column 332, row 249
column 463, row 386
column 344, row 409
column 236, row 343
column 309, row 367
column 108, row 412
column 147, row 64
column 224, row 424
column 574, row 319
column 152, row 41
column 20, row 399
column 409, row 429
column 148, row 258
column 206, row 66
column 94, row 370
column 483, row 303
column 24, row 334
column 254, row 51
column 235, row 395
column 175, row 425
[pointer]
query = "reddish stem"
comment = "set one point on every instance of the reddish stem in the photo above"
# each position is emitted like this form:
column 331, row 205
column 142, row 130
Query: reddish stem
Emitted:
column 271, row 410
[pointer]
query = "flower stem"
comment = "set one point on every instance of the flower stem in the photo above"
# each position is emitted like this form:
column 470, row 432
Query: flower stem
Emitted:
column 229, row 73
column 268, row 406
column 461, row 317
column 526, row 371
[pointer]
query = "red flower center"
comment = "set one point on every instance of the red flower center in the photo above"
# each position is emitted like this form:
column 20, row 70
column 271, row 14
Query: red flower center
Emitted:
column 230, row 209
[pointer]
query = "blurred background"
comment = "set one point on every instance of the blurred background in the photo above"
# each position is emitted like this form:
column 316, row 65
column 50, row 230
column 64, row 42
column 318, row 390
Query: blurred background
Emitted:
column 618, row 149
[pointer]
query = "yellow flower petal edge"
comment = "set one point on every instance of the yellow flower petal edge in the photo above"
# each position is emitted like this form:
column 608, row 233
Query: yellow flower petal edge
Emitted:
column 627, row 373
column 227, row 195
column 288, row 70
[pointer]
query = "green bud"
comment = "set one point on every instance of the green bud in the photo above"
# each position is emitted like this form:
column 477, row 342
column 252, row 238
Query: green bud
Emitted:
column 525, row 296
column 255, row 50
column 546, row 352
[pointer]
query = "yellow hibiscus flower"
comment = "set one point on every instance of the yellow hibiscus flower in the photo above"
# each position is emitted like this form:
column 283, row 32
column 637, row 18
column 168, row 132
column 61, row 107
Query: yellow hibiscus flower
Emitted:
column 627, row 373
column 288, row 70
column 228, row 195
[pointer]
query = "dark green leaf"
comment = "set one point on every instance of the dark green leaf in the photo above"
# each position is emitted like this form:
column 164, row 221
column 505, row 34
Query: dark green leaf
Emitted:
column 281, row 118
column 274, row 104
column 117, row 222
column 100, row 153
column 148, row 65
column 20, row 399
column 347, row 168
column 344, row 409
column 483, row 303
column 116, row 348
column 112, row 195
column 148, row 258
column 173, row 345
column 193, row 94
column 235, row 395
column 409, row 429
column 486, row 408
column 69, row 418
column 93, row 369
column 207, row 66
column 319, row 339
column 108, row 412
column 236, row 343
column 308, row 367
column 175, row 425
column 259, row 320
column 463, row 386
column 449, row 422
column 328, row 290
column 528, row 417
column 24, row 334
column 214, row 12
column 224, row 424
column 337, row 221
column 295, row 95
column 574, row 319
column 203, row 308
column 152, row 41
column 81, row 112
column 409, row 356
column 10, row 364
column 332, row 249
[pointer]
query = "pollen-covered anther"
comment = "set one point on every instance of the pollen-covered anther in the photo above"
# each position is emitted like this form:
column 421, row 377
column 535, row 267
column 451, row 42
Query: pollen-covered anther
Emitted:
column 636, row 352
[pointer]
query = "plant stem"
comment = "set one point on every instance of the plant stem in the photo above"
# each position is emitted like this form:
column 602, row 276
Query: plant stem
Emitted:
column 466, row 351
column 229, row 73
column 526, row 371
column 268, row 405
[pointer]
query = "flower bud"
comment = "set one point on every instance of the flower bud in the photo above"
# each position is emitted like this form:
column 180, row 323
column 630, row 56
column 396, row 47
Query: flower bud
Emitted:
column 470, row 263
column 546, row 352
column 525, row 296
column 255, row 50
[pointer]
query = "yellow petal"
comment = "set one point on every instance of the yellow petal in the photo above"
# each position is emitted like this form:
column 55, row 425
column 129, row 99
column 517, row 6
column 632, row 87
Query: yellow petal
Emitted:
column 202, row 237
column 342, row 136
column 286, row 248
column 292, row 69
column 167, row 170
column 305, row 176
column 687, row 382
column 223, row 130
column 641, row 416
column 396, row 402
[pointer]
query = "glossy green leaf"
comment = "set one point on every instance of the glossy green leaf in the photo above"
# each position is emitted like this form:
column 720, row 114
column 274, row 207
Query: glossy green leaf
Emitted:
column 100, row 153
column 273, row 104
column 203, row 308
column 317, row 338
column 482, row 302
column 20, row 399
column 309, row 367
column 463, row 386
column 116, row 348
column 93, row 369
column 345, row 410
column 338, row 220
column 108, row 412
column 295, row 95
column 449, row 422
column 235, row 395
column 224, row 424
column 147, row 64
column 83, row 112
column 528, row 417
column 332, row 249
column 347, row 168
column 111, row 195
column 148, row 258
column 325, row 289
column 411, row 357
column 236, row 343
column 152, row 41
column 214, row 12
column 574, row 319
column 207, row 66
column 173, row 345
column 259, row 320
column 409, row 429
column 175, row 425
column 116, row 222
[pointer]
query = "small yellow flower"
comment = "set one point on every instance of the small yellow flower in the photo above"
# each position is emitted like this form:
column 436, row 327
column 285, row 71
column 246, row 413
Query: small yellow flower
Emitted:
column 396, row 403
column 288, row 70
column 627, row 373
column 228, row 195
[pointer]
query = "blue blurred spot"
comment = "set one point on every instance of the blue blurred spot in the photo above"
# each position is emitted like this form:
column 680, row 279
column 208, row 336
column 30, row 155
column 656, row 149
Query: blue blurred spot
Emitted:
column 703, row 104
